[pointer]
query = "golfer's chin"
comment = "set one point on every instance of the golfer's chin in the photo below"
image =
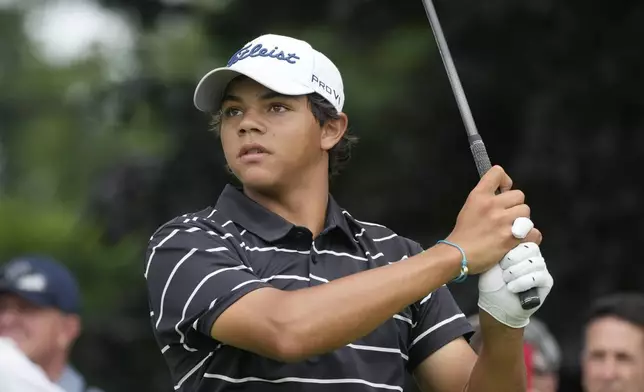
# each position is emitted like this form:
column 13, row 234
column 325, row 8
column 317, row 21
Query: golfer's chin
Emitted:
column 258, row 178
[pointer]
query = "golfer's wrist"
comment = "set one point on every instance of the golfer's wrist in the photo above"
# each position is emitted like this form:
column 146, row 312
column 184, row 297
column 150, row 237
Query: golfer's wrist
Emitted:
column 495, row 334
column 447, row 260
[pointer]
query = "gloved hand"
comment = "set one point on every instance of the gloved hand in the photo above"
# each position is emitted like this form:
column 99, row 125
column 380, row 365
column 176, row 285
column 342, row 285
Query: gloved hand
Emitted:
column 521, row 269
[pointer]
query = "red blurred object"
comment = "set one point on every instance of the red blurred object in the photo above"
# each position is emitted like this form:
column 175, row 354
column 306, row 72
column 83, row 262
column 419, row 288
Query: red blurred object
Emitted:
column 527, row 356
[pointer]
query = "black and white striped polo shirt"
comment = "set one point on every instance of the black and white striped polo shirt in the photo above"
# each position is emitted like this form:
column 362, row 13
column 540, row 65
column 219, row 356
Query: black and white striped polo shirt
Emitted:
column 198, row 264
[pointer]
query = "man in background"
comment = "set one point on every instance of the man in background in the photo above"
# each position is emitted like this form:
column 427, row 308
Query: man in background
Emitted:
column 542, row 354
column 613, row 352
column 39, row 318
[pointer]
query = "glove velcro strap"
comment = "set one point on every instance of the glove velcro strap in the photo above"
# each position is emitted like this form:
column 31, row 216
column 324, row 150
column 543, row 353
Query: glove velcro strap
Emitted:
column 464, row 270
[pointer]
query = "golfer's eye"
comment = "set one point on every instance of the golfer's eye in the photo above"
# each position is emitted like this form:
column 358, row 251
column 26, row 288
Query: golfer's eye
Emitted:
column 231, row 112
column 278, row 108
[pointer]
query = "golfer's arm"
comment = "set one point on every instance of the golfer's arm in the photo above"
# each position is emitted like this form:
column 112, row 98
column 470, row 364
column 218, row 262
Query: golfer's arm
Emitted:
column 293, row 325
column 500, row 366
column 456, row 368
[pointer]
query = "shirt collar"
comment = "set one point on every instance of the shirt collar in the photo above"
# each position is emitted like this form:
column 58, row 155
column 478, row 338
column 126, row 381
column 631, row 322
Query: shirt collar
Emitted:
column 269, row 226
column 337, row 217
column 71, row 380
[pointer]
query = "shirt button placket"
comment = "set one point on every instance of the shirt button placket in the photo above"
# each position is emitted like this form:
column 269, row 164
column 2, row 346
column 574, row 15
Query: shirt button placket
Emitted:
column 313, row 256
column 317, row 272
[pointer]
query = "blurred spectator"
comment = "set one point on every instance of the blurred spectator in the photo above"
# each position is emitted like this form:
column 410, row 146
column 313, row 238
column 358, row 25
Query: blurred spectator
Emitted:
column 19, row 374
column 613, row 353
column 39, row 317
column 543, row 354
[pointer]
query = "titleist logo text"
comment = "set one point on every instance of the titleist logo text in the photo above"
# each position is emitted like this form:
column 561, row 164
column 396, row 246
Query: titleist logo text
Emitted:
column 260, row 51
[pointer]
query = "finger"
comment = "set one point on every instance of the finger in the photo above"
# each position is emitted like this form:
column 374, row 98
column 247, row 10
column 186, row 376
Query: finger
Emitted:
column 522, row 227
column 525, row 267
column 494, row 179
column 533, row 236
column 545, row 289
column 526, row 282
column 520, row 211
column 510, row 199
column 521, row 252
column 549, row 283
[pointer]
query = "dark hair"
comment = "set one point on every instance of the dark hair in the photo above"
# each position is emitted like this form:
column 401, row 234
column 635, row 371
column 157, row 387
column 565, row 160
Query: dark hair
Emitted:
column 625, row 306
column 323, row 111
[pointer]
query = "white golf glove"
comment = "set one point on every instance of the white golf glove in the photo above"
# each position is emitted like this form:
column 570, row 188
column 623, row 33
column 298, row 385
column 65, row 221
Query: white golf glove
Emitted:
column 521, row 269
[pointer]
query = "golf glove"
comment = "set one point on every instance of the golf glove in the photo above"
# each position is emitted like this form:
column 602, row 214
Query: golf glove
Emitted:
column 521, row 269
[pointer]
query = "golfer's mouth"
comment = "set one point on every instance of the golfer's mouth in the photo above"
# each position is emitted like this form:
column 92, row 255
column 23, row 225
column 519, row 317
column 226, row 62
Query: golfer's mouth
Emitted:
column 252, row 150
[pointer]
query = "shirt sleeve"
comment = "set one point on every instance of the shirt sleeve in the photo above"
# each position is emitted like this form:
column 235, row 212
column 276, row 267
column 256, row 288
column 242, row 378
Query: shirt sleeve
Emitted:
column 193, row 274
column 437, row 320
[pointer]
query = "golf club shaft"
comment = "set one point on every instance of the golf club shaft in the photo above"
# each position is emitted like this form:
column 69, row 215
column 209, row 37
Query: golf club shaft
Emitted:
column 528, row 299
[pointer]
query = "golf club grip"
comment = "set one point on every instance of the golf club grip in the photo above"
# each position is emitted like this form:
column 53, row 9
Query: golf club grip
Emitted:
column 479, row 153
column 530, row 298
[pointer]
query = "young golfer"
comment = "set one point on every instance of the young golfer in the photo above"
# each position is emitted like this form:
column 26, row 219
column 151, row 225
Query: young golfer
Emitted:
column 278, row 288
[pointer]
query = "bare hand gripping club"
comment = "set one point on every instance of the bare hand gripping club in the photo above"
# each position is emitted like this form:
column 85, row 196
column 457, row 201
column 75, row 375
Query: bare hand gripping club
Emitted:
column 529, row 299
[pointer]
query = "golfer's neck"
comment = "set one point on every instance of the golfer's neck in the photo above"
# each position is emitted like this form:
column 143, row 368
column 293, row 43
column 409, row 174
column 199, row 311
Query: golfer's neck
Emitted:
column 302, row 203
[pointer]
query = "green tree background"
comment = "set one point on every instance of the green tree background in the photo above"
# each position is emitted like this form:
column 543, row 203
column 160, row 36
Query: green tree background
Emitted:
column 91, row 164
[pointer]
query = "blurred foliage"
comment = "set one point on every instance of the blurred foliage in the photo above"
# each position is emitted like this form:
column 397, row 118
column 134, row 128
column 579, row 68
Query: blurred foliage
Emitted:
column 91, row 164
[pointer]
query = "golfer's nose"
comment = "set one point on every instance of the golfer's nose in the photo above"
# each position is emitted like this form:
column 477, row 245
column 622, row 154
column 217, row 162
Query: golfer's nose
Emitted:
column 252, row 121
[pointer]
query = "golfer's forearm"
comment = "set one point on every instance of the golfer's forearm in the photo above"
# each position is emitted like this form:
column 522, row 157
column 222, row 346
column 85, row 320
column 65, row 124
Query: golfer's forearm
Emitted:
column 500, row 366
column 332, row 315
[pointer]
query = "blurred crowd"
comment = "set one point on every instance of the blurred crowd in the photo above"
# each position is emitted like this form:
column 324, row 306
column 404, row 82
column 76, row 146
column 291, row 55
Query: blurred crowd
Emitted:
column 40, row 304
column 612, row 357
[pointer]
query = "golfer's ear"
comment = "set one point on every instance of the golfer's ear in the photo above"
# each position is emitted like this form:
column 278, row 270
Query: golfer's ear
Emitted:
column 333, row 130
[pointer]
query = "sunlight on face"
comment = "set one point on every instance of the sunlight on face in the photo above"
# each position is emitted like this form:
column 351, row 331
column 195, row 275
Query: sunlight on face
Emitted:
column 613, row 358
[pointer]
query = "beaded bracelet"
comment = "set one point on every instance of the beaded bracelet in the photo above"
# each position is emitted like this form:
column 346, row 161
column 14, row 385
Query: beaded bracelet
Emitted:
column 464, row 269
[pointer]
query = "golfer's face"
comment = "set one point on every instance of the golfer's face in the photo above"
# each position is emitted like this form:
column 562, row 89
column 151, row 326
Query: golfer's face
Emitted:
column 268, row 138
column 613, row 358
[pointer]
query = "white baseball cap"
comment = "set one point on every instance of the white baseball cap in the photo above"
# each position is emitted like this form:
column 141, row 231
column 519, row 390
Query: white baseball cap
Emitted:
column 283, row 64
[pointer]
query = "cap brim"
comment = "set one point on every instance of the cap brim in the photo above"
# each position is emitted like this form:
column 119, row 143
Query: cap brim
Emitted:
column 39, row 299
column 211, row 87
